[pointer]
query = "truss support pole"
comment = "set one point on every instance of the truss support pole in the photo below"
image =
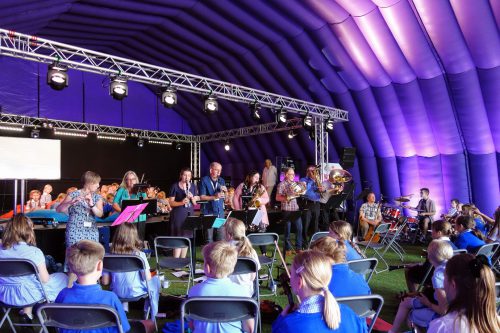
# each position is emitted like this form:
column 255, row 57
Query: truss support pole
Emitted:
column 321, row 144
column 195, row 159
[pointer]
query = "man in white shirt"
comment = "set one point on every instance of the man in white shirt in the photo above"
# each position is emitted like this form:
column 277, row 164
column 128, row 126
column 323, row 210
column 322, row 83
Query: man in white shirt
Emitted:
column 269, row 177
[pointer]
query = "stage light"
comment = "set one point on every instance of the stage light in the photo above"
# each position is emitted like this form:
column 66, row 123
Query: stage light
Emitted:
column 254, row 111
column 111, row 137
column 161, row 142
column 281, row 116
column 169, row 97
column 11, row 128
column 292, row 134
column 307, row 122
column 134, row 134
column 227, row 146
column 118, row 87
column 47, row 124
column 140, row 143
column 329, row 125
column 70, row 133
column 35, row 134
column 57, row 78
column 178, row 146
column 211, row 105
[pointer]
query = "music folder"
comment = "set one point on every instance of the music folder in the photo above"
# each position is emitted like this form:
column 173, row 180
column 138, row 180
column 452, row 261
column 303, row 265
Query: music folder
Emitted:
column 151, row 207
column 129, row 214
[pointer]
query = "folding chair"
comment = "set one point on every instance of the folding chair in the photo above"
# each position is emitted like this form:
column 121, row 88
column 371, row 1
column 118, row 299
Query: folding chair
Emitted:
column 488, row 250
column 392, row 238
column 219, row 309
column 318, row 235
column 78, row 316
column 364, row 306
column 246, row 265
column 164, row 262
column 12, row 268
column 125, row 263
column 365, row 267
column 266, row 238
column 381, row 247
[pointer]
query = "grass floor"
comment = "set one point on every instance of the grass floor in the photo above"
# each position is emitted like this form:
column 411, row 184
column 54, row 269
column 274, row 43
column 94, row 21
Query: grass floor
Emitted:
column 387, row 284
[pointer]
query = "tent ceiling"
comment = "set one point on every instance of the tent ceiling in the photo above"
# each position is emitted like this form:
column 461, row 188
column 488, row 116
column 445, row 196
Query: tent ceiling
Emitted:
column 420, row 78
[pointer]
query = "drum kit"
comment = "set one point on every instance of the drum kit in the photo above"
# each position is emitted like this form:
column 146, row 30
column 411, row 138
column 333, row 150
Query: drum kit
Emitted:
column 394, row 213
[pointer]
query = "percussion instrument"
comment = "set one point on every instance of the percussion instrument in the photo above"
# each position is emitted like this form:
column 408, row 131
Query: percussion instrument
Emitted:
column 390, row 214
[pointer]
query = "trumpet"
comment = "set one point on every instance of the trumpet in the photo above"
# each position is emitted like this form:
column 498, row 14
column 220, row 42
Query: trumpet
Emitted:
column 298, row 189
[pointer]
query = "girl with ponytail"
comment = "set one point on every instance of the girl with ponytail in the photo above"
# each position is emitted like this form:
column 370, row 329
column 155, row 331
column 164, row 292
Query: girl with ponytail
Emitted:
column 235, row 234
column 318, row 311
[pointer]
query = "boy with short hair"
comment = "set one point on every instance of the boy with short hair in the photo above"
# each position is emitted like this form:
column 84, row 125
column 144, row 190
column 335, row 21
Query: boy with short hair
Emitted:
column 85, row 261
column 220, row 260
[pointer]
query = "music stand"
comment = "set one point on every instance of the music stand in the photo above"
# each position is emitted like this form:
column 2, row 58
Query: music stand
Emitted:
column 247, row 216
column 195, row 223
column 151, row 208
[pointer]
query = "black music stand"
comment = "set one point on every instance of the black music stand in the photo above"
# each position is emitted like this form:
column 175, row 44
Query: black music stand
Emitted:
column 247, row 216
column 195, row 223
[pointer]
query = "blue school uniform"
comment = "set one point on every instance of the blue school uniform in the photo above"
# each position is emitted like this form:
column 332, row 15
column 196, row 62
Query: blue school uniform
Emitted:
column 345, row 282
column 217, row 287
column 309, row 318
column 132, row 284
column 24, row 290
column 351, row 253
column 467, row 240
column 93, row 294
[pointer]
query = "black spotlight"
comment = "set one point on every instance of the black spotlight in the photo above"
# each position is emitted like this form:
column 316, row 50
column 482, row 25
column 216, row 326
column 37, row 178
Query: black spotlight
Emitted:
column 281, row 116
column 118, row 87
column 178, row 146
column 210, row 105
column 307, row 122
column 292, row 134
column 329, row 125
column 227, row 146
column 254, row 111
column 35, row 134
column 140, row 143
column 169, row 97
column 57, row 76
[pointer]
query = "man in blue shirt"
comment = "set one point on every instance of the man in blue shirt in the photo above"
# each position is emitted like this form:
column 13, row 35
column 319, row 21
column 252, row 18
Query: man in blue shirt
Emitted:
column 212, row 188
column 314, row 188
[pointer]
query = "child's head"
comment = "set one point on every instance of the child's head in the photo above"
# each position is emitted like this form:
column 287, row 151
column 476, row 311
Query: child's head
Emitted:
column 341, row 230
column 60, row 197
column 332, row 248
column 47, row 189
column 84, row 257
column 19, row 229
column 235, row 229
column 454, row 203
column 439, row 251
column 310, row 275
column 464, row 222
column 110, row 197
column 35, row 195
column 220, row 259
column 440, row 228
column 126, row 239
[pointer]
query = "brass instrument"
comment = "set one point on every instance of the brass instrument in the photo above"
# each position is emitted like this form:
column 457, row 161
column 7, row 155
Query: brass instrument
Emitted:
column 339, row 177
column 317, row 177
column 298, row 189
column 255, row 202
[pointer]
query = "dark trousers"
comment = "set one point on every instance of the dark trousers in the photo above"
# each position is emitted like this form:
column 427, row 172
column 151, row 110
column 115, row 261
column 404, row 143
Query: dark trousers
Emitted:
column 311, row 213
column 289, row 218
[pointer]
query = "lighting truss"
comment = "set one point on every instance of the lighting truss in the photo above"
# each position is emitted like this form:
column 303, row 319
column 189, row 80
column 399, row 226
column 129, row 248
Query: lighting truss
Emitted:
column 250, row 130
column 46, row 51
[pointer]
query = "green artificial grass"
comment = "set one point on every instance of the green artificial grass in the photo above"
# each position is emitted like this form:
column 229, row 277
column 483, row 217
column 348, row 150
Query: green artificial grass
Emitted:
column 387, row 284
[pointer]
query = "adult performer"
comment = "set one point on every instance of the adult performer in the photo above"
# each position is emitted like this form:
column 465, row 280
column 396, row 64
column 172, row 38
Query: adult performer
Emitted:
column 183, row 196
column 252, row 188
column 269, row 177
column 331, row 188
column 314, row 189
column 369, row 214
column 212, row 188
column 287, row 194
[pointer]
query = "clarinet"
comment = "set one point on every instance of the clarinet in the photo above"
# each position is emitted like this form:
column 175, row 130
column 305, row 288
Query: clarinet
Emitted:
column 187, row 192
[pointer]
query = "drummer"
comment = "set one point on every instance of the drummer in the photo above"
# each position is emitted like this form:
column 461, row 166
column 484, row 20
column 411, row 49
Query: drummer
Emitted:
column 426, row 209
column 369, row 214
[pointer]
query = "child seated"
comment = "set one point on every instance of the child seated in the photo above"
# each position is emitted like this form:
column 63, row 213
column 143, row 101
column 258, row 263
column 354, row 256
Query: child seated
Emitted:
column 342, row 230
column 85, row 261
column 468, row 238
column 220, row 259
column 344, row 282
column 419, row 310
column 235, row 234
column 132, row 284
column 18, row 242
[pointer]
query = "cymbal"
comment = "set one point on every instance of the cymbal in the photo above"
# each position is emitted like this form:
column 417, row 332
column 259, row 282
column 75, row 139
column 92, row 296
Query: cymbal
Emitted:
column 402, row 199
column 341, row 176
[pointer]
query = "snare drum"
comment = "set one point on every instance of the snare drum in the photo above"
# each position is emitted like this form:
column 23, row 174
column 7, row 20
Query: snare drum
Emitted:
column 391, row 213
column 412, row 222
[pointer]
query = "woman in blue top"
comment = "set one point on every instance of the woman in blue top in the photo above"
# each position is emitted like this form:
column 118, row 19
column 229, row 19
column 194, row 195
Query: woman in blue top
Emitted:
column 18, row 242
column 125, row 191
column 344, row 282
column 132, row 284
column 318, row 311
column 342, row 230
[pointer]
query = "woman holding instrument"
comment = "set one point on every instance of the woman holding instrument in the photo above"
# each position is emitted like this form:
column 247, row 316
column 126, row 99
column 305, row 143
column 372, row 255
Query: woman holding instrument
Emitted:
column 318, row 310
column 252, row 187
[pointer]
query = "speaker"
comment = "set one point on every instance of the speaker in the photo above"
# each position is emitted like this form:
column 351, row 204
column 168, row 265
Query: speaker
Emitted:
column 348, row 157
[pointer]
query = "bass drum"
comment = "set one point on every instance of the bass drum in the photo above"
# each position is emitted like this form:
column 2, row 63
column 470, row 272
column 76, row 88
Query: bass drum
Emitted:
column 391, row 214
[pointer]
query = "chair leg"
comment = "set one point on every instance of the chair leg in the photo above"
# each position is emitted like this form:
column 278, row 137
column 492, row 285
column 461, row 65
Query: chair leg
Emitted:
column 383, row 260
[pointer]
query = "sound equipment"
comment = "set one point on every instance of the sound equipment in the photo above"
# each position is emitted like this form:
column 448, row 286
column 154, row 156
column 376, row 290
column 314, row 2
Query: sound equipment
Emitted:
column 347, row 158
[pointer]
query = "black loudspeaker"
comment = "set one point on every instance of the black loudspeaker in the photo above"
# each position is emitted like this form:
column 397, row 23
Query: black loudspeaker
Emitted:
column 348, row 157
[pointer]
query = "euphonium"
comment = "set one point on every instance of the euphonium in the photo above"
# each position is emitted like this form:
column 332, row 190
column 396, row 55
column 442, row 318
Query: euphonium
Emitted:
column 298, row 189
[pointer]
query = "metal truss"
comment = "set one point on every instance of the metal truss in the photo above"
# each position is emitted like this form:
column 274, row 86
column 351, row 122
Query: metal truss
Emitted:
column 250, row 130
column 46, row 51
column 321, row 145
column 77, row 127
column 195, row 159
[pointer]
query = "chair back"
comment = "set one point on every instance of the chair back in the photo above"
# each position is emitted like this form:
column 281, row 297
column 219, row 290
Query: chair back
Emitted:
column 21, row 267
column 123, row 263
column 459, row 251
column 317, row 236
column 219, row 309
column 264, row 238
column 488, row 250
column 78, row 316
column 245, row 265
column 382, row 228
column 171, row 242
column 365, row 267
column 364, row 306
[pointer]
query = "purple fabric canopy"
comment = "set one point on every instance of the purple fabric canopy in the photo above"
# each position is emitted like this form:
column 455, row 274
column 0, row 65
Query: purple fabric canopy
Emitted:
column 420, row 78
